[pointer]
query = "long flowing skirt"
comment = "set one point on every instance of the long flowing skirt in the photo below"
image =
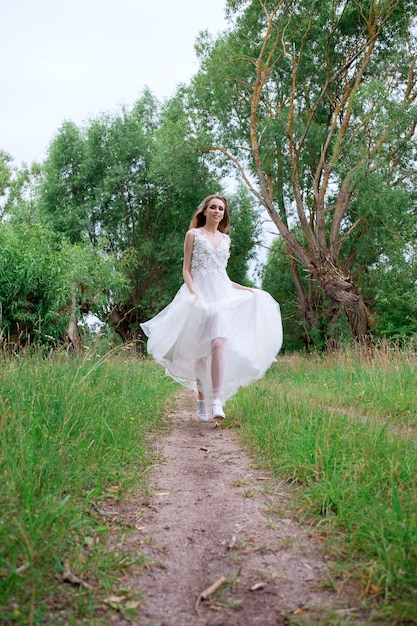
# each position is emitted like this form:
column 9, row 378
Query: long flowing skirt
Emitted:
column 180, row 336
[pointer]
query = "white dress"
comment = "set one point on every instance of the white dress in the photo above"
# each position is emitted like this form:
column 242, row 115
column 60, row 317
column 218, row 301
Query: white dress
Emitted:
column 180, row 336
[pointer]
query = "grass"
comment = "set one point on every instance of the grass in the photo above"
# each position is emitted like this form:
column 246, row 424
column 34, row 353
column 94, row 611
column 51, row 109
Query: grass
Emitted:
column 73, row 432
column 344, row 430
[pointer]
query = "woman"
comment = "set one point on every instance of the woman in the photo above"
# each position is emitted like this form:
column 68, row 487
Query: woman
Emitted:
column 216, row 335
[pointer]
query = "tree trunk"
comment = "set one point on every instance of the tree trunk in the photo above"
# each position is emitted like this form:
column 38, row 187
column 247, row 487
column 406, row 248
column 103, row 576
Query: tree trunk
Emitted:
column 307, row 308
column 340, row 288
column 73, row 333
column 125, row 323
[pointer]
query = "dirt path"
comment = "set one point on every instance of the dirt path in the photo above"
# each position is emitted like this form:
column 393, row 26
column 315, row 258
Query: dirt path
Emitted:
column 211, row 515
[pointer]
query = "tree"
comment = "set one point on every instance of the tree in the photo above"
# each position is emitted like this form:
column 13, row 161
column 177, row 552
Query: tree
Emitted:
column 313, row 103
column 21, row 205
column 393, row 285
column 46, row 282
column 6, row 176
column 245, row 234
column 277, row 279
column 29, row 299
column 64, row 188
column 130, row 183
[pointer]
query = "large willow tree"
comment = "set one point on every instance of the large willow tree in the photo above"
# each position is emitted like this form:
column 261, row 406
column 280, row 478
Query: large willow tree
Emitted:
column 313, row 101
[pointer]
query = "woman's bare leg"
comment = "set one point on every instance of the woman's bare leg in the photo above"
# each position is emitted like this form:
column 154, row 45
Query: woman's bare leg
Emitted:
column 201, row 403
column 217, row 367
column 199, row 365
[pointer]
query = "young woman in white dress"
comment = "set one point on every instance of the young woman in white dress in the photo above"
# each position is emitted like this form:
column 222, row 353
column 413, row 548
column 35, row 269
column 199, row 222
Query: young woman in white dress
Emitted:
column 216, row 335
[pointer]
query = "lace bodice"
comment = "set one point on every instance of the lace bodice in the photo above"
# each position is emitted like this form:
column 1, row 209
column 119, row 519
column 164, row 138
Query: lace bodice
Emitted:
column 206, row 258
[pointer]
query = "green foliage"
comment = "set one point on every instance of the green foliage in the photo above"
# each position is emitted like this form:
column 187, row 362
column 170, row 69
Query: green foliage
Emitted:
column 39, row 276
column 315, row 105
column 64, row 187
column 394, row 282
column 130, row 182
column 382, row 254
column 31, row 292
column 342, row 429
column 21, row 205
column 73, row 433
column 95, row 276
column 119, row 193
column 245, row 231
column 43, row 276
column 5, row 179
column 278, row 280
column 388, row 285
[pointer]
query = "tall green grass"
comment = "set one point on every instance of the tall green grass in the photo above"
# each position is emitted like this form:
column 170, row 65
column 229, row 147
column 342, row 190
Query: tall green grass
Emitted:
column 70, row 431
column 334, row 427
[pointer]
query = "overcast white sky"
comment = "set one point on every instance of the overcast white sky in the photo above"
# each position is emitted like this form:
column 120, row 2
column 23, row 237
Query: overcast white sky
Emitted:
column 74, row 60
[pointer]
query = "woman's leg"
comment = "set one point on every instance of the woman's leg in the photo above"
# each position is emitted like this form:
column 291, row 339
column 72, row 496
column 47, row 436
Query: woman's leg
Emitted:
column 217, row 367
column 199, row 367
column 201, row 403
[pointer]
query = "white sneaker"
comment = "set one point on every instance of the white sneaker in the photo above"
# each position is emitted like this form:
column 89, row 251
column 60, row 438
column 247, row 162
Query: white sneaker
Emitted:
column 202, row 413
column 217, row 410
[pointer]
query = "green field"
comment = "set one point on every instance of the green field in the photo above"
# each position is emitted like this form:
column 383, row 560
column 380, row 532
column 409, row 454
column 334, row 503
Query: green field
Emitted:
column 72, row 433
column 340, row 430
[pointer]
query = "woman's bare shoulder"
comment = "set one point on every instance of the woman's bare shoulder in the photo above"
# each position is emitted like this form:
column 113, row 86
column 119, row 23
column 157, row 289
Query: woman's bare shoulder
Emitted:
column 189, row 238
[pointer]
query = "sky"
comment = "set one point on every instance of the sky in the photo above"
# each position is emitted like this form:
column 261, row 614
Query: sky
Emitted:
column 74, row 60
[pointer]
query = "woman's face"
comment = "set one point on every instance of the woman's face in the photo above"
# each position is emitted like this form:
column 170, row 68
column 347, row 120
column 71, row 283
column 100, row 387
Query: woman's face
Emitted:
column 215, row 211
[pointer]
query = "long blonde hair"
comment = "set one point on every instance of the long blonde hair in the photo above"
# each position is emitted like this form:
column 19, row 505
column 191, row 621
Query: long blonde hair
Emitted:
column 199, row 218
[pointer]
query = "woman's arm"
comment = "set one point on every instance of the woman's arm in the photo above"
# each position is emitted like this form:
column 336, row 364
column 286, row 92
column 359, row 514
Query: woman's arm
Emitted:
column 186, row 268
column 237, row 286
